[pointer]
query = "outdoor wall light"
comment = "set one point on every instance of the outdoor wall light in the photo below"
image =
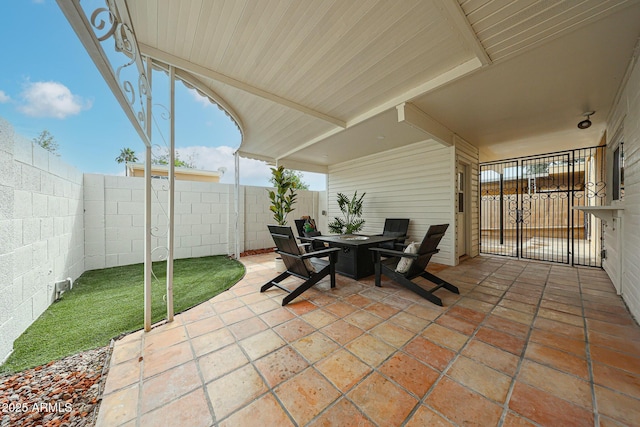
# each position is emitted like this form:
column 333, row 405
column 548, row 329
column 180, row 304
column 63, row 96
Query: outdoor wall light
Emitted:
column 586, row 123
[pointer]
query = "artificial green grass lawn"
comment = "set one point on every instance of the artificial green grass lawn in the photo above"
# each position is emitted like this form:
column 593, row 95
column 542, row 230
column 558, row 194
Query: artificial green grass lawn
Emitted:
column 104, row 304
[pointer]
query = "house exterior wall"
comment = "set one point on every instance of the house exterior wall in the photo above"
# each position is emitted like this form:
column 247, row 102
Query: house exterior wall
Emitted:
column 41, row 231
column 469, row 155
column 416, row 182
column 622, row 238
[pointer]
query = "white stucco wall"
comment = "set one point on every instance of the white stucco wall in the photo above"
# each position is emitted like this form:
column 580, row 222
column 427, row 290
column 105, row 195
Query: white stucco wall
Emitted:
column 622, row 241
column 41, row 231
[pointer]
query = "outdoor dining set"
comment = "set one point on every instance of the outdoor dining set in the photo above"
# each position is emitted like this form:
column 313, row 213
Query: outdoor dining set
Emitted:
column 312, row 256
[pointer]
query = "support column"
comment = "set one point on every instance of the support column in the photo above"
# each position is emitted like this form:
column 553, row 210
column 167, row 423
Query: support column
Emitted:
column 172, row 190
column 147, row 208
column 236, row 158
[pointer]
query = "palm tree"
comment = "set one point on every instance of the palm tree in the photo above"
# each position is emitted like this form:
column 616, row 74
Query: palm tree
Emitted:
column 126, row 155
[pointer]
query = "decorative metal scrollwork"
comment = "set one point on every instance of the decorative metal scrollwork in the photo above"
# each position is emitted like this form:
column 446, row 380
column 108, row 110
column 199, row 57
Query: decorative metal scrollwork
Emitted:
column 107, row 24
column 596, row 189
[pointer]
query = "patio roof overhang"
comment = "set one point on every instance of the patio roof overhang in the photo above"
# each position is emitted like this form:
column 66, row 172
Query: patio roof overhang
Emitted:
column 316, row 83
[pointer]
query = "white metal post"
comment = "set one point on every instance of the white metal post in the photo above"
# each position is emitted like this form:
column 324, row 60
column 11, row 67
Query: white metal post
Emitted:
column 236, row 157
column 172, row 157
column 147, row 208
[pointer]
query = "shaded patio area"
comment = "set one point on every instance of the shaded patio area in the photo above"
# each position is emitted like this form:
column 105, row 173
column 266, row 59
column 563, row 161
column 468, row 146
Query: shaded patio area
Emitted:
column 524, row 343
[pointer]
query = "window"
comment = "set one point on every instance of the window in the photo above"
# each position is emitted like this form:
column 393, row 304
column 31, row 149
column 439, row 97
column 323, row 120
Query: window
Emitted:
column 460, row 192
column 618, row 172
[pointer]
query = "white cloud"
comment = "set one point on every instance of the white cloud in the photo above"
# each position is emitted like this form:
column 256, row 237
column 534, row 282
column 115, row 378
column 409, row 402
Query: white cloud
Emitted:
column 51, row 99
column 4, row 98
column 202, row 100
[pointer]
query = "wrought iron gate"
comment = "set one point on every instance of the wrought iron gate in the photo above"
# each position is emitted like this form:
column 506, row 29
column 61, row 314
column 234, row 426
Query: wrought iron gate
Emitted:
column 526, row 207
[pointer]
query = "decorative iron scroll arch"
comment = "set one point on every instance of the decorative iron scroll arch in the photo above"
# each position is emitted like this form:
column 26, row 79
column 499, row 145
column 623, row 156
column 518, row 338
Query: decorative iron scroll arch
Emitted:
column 108, row 23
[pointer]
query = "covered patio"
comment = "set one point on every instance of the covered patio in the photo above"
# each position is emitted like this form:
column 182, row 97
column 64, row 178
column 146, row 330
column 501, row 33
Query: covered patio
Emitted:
column 401, row 101
column 525, row 343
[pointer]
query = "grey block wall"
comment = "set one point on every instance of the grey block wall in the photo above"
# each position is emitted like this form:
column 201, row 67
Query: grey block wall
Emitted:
column 41, row 231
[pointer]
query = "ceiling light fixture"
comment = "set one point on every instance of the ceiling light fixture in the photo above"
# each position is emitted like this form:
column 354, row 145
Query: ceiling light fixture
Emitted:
column 586, row 123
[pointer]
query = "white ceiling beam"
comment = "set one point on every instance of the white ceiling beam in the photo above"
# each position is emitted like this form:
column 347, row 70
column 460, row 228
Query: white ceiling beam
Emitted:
column 459, row 19
column 303, row 166
column 426, row 87
column 442, row 79
column 413, row 116
column 201, row 71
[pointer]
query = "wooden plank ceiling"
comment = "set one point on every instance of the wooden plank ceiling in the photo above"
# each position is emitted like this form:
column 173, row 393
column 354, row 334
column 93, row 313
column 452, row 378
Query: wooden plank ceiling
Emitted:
column 306, row 77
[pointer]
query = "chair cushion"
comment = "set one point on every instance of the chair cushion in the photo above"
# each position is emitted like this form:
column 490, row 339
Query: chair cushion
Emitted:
column 405, row 262
column 307, row 261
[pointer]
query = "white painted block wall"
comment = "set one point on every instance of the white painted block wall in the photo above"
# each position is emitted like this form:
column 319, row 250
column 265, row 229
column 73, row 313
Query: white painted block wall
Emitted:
column 114, row 232
column 204, row 219
column 41, row 231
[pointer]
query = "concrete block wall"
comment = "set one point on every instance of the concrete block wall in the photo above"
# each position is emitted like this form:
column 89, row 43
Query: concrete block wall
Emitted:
column 257, row 215
column 114, row 229
column 41, row 231
column 10, row 294
column 204, row 219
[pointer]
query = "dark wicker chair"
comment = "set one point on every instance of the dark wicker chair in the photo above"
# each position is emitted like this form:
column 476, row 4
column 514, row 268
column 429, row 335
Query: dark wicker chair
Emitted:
column 387, row 260
column 306, row 266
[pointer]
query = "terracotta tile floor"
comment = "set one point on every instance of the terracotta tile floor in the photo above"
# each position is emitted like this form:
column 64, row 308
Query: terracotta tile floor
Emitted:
column 524, row 344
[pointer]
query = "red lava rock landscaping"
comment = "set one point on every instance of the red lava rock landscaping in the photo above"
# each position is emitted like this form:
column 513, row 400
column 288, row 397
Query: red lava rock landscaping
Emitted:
column 256, row 252
column 65, row 392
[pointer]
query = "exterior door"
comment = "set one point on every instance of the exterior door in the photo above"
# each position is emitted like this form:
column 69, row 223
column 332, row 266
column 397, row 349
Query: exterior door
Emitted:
column 461, row 217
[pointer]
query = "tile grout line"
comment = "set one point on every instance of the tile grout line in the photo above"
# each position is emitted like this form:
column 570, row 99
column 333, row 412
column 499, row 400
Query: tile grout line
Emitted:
column 252, row 364
column 587, row 344
column 505, row 405
column 141, row 380
column 442, row 374
column 196, row 359
column 343, row 347
column 500, row 421
column 270, row 390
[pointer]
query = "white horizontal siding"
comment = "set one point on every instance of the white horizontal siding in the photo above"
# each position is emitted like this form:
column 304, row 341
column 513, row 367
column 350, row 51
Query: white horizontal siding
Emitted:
column 626, row 263
column 467, row 153
column 413, row 182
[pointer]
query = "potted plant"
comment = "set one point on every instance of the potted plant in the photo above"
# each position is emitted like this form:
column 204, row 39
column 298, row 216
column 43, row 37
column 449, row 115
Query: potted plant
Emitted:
column 282, row 200
column 352, row 211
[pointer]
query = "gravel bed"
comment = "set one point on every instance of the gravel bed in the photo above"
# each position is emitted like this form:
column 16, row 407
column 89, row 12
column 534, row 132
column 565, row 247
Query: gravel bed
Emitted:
column 64, row 392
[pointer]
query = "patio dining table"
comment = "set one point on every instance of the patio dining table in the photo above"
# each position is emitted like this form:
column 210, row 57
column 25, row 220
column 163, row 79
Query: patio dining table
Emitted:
column 355, row 260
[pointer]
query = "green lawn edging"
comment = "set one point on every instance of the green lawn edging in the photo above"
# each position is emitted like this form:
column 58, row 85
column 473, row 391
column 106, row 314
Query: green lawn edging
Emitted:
column 104, row 304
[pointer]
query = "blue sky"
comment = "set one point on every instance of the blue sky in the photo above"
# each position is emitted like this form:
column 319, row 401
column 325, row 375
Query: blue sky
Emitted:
column 48, row 82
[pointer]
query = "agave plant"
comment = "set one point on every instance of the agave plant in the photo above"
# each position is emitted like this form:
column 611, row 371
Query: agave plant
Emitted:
column 284, row 196
column 352, row 211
